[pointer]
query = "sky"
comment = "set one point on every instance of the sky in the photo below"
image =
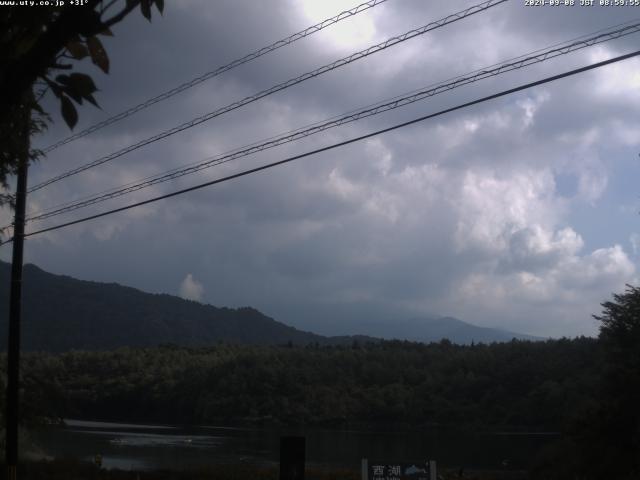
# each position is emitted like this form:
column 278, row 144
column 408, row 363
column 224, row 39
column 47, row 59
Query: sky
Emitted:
column 520, row 213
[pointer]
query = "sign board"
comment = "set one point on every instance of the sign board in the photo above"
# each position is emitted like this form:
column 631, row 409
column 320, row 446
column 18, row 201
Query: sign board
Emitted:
column 394, row 470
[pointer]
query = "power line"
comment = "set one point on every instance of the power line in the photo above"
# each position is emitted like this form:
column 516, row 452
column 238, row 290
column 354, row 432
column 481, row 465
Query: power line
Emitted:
column 218, row 71
column 513, row 59
column 110, row 190
column 281, row 86
column 399, row 101
column 326, row 68
column 340, row 144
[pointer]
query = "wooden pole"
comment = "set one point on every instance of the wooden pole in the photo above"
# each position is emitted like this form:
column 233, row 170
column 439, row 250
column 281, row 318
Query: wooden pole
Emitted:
column 15, row 310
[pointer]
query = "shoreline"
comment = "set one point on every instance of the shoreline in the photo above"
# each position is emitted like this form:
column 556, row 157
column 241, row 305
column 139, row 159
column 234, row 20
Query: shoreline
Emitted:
column 248, row 424
column 68, row 469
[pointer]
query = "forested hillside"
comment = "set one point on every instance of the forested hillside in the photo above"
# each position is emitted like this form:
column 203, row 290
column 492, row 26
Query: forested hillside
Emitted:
column 516, row 385
column 62, row 313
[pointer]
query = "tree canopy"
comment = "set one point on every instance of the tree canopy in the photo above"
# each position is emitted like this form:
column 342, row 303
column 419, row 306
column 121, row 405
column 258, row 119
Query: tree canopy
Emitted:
column 619, row 416
column 38, row 51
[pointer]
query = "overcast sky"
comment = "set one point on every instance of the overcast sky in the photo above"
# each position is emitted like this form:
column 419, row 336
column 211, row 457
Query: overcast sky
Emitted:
column 519, row 213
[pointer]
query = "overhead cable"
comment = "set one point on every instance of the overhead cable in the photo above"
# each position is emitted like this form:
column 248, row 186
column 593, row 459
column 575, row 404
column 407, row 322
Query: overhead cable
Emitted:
column 340, row 144
column 276, row 88
column 218, row 71
column 608, row 30
column 400, row 101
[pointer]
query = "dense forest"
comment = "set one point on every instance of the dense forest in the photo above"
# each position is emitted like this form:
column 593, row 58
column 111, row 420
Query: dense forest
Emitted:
column 555, row 385
column 516, row 385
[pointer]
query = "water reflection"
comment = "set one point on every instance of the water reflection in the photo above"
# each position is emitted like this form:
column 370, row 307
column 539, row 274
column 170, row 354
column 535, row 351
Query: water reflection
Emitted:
column 133, row 446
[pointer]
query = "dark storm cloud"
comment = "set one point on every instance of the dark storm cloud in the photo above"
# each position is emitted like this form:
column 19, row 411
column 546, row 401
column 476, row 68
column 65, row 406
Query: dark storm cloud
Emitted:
column 460, row 215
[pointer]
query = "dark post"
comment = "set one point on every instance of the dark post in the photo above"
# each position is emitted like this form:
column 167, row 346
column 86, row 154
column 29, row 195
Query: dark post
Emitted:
column 13, row 367
column 292, row 453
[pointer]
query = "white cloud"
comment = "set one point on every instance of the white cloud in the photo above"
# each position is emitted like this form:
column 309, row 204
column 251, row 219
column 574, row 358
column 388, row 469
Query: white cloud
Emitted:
column 620, row 81
column 359, row 30
column 530, row 106
column 191, row 289
column 564, row 294
column 491, row 207
column 535, row 248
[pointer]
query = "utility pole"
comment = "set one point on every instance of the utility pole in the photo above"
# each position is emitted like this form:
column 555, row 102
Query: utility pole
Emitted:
column 15, row 310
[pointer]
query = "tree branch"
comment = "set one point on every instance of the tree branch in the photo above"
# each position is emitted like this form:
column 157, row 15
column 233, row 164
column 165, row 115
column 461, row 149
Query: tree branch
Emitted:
column 24, row 71
column 123, row 13
column 107, row 6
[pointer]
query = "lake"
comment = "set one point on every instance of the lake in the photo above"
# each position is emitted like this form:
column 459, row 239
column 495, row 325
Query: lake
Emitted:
column 141, row 447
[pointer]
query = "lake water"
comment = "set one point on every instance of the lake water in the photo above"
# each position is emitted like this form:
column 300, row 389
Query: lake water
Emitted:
column 140, row 447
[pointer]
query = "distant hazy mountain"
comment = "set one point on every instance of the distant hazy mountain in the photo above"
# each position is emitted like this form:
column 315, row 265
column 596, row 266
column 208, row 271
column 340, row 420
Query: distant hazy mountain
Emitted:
column 434, row 329
column 63, row 313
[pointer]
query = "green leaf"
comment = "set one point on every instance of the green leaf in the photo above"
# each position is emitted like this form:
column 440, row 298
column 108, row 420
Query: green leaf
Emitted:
column 78, row 86
column 160, row 5
column 92, row 100
column 82, row 83
column 106, row 32
column 70, row 91
column 98, row 53
column 63, row 79
column 145, row 8
column 55, row 88
column 77, row 50
column 69, row 112
column 90, row 23
column 38, row 108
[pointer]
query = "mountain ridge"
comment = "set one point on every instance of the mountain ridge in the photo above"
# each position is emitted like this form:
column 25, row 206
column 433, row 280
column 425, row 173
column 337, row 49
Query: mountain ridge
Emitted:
column 62, row 313
column 432, row 329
